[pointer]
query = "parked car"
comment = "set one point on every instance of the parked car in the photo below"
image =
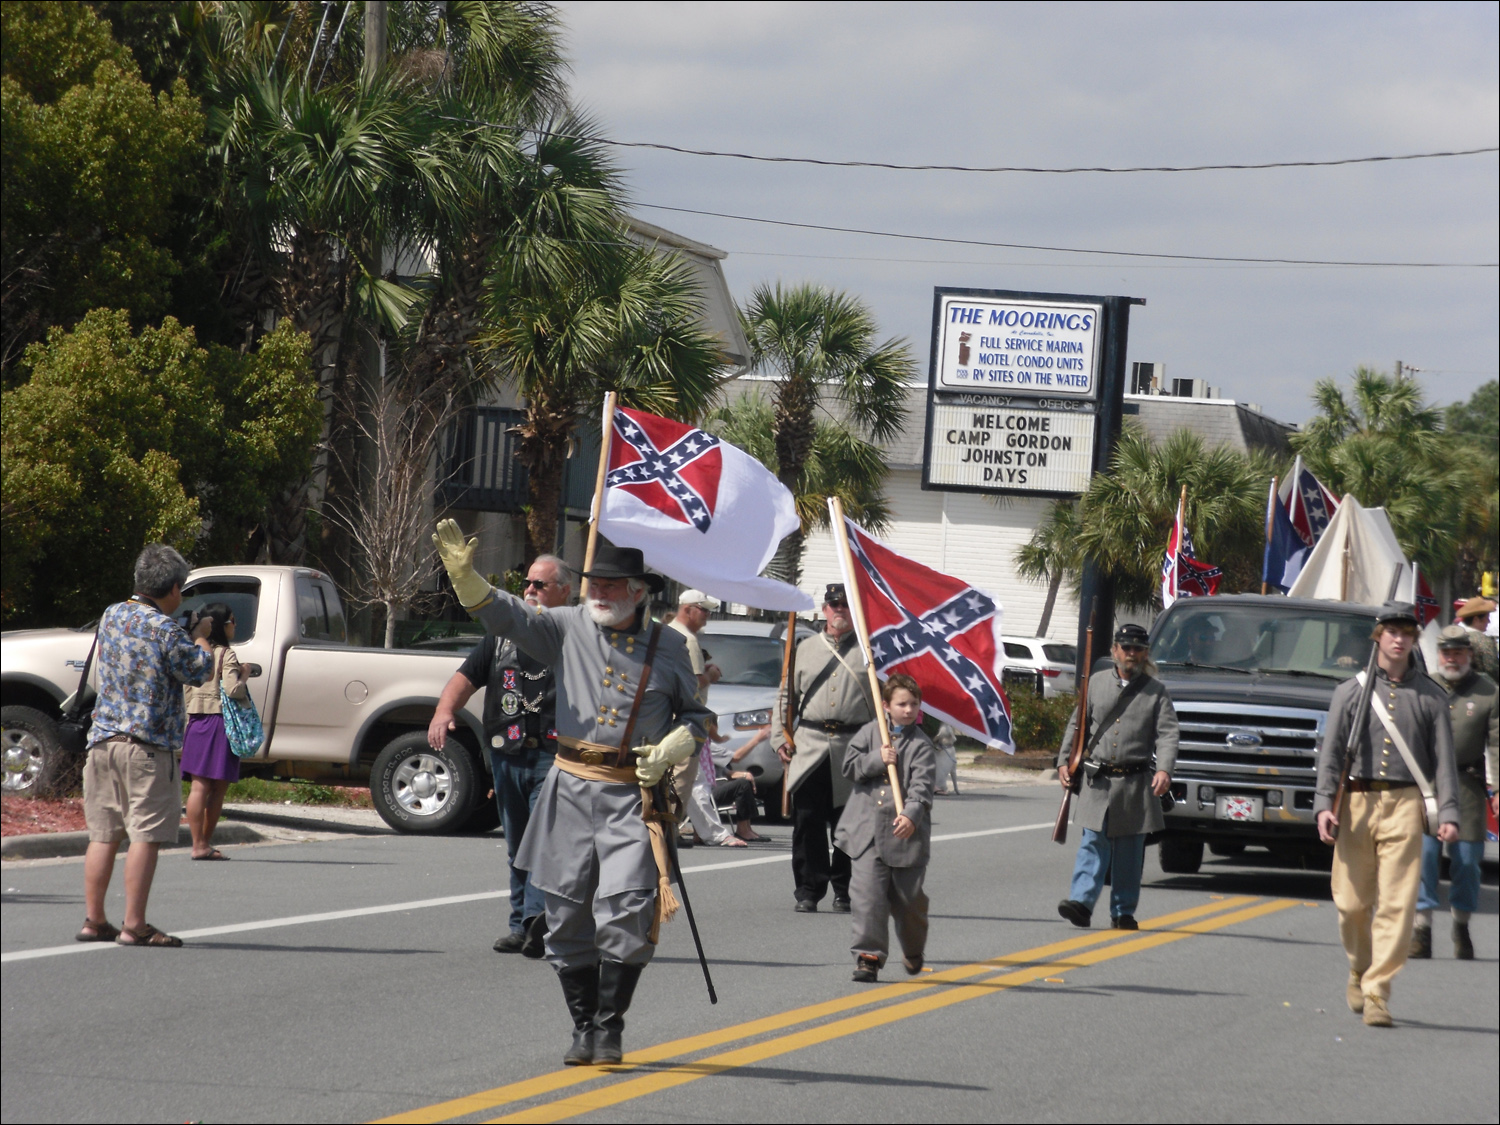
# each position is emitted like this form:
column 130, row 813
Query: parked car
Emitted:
column 1054, row 660
column 333, row 713
column 749, row 654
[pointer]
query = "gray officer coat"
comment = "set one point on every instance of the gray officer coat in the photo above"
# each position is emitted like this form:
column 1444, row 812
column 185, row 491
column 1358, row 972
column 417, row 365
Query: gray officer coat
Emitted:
column 579, row 826
column 1419, row 709
column 1143, row 730
column 870, row 814
column 840, row 696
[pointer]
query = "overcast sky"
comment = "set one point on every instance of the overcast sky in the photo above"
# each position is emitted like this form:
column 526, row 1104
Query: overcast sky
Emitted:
column 1077, row 84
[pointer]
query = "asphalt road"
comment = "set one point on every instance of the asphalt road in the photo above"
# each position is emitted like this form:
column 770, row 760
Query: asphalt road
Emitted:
column 392, row 1005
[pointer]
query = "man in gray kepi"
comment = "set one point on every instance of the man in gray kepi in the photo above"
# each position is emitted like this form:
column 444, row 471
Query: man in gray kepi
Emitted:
column 1129, row 754
column 831, row 701
column 627, row 711
column 1377, row 830
column 1473, row 711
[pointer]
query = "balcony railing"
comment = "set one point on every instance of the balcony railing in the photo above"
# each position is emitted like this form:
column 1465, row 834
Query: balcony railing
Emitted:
column 478, row 469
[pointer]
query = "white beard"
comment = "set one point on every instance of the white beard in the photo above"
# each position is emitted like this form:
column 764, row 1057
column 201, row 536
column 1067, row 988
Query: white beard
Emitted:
column 1452, row 675
column 611, row 613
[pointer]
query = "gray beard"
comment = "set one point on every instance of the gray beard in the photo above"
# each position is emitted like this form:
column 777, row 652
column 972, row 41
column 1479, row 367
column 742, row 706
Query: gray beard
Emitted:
column 1451, row 675
column 611, row 614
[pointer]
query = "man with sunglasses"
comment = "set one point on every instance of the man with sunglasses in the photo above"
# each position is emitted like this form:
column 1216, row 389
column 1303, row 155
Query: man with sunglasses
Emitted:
column 1130, row 750
column 831, row 701
column 520, row 725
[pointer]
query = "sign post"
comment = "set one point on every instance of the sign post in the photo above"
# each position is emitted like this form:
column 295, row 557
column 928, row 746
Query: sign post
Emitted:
column 1024, row 397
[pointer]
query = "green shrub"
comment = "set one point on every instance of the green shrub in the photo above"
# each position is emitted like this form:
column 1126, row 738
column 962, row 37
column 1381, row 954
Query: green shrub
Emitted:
column 1038, row 724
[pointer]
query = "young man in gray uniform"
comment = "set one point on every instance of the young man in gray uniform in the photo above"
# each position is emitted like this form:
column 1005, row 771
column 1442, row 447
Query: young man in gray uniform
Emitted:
column 1473, row 713
column 1379, row 826
column 1128, row 760
column 831, row 700
column 627, row 711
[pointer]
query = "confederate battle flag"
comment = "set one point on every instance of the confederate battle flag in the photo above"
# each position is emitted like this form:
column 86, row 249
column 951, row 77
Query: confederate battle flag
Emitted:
column 698, row 509
column 1182, row 575
column 940, row 631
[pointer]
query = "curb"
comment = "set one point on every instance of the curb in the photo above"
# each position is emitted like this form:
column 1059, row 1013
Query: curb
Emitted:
column 55, row 845
column 305, row 823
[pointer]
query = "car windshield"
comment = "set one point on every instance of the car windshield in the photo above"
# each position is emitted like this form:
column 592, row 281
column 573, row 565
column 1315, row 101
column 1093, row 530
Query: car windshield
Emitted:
column 749, row 661
column 1264, row 638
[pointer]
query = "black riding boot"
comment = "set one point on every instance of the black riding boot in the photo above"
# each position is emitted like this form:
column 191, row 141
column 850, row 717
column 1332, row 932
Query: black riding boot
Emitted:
column 581, row 990
column 616, row 987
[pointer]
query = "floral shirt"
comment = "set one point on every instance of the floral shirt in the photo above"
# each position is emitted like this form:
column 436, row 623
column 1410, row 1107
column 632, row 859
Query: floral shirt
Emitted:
column 144, row 658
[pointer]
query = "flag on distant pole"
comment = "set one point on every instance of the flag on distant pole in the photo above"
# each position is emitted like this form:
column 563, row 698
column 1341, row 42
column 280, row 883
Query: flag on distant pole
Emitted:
column 937, row 629
column 1309, row 503
column 700, row 510
column 1423, row 598
column 1286, row 552
column 1182, row 575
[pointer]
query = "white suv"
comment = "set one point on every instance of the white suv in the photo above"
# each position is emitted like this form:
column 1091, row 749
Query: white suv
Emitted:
column 1056, row 662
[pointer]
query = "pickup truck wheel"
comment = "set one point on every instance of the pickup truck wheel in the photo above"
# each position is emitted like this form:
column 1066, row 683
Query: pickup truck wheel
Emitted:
column 1180, row 857
column 418, row 789
column 33, row 753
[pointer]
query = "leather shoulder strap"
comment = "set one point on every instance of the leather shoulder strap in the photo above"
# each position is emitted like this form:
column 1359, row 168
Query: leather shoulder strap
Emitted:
column 640, row 692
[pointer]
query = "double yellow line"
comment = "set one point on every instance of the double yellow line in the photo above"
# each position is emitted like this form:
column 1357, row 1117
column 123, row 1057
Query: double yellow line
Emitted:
column 890, row 1004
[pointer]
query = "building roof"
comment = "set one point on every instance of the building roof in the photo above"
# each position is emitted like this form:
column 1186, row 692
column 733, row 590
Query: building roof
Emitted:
column 720, row 315
column 1218, row 421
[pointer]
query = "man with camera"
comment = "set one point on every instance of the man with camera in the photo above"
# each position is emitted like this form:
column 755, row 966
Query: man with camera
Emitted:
column 130, row 786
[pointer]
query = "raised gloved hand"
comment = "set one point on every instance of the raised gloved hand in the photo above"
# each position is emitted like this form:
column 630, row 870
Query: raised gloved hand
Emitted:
column 458, row 561
column 678, row 746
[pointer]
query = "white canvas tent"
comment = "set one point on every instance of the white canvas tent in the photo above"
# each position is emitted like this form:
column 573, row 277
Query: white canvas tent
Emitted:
column 1355, row 559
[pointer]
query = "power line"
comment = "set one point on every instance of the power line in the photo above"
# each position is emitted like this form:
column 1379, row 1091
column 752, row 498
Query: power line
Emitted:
column 1068, row 249
column 890, row 166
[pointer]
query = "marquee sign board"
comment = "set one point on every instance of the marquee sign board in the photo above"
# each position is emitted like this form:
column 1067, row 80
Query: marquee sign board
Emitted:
column 1015, row 389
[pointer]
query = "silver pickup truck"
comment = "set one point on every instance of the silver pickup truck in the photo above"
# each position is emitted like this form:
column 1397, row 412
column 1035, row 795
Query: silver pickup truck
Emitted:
column 333, row 713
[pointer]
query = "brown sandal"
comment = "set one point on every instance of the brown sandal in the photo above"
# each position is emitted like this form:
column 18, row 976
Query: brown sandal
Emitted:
column 148, row 935
column 96, row 931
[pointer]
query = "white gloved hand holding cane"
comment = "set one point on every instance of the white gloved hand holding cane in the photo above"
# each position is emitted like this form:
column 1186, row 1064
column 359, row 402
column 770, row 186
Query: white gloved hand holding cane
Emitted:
column 678, row 746
column 458, row 561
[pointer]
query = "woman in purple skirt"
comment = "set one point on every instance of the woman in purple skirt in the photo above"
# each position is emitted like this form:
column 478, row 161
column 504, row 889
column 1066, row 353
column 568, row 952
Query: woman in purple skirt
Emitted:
column 206, row 756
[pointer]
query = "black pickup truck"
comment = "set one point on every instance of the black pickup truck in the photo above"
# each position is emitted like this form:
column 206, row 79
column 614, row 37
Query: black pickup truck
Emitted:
column 1251, row 678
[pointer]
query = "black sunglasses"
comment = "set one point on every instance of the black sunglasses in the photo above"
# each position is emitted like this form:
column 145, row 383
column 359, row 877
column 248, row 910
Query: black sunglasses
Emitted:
column 539, row 583
column 1132, row 648
column 837, row 605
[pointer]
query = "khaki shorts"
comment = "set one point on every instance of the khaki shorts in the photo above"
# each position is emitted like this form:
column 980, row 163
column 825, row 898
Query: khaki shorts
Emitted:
column 131, row 790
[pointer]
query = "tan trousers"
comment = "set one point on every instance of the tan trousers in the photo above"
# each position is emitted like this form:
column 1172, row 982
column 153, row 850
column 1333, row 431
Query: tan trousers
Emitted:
column 1377, row 869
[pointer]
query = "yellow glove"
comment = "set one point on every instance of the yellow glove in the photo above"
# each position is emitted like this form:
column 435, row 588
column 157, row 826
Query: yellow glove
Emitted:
column 677, row 747
column 458, row 561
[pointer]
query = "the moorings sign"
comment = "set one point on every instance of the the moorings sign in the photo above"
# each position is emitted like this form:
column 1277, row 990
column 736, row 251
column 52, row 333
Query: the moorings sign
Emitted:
column 1013, row 392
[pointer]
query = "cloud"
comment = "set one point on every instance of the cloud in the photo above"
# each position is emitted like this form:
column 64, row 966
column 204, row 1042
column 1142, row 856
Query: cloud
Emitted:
column 1090, row 84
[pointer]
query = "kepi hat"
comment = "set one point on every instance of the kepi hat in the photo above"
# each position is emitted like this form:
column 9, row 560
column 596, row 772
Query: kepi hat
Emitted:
column 1131, row 634
column 1397, row 613
column 835, row 593
column 1455, row 636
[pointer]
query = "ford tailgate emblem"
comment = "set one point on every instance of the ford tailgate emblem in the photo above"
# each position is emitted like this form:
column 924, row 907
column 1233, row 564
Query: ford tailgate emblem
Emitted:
column 1242, row 738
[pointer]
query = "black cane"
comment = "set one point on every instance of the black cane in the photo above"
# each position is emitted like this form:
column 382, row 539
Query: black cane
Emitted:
column 687, row 906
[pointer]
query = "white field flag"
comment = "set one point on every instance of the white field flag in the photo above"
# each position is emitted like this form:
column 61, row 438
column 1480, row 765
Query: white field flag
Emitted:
column 698, row 509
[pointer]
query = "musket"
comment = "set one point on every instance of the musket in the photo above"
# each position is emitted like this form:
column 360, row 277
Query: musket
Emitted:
column 788, row 669
column 1361, row 716
column 1075, row 756
column 660, row 795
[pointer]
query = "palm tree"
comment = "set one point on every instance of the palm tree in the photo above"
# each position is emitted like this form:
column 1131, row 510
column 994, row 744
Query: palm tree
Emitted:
column 818, row 343
column 840, row 462
column 1387, row 447
column 569, row 321
column 1122, row 522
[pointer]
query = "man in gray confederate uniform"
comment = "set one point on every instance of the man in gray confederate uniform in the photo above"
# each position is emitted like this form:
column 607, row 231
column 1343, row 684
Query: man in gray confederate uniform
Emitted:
column 1473, row 711
column 831, row 701
column 627, row 711
column 1127, row 764
column 1377, row 830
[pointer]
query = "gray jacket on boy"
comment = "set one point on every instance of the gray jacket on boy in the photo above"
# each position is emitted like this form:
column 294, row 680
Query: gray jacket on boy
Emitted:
column 870, row 813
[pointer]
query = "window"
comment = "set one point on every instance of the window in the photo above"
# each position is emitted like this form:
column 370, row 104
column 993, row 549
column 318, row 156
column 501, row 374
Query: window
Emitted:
column 241, row 595
column 748, row 661
column 1061, row 654
column 1265, row 638
column 1017, row 652
column 319, row 611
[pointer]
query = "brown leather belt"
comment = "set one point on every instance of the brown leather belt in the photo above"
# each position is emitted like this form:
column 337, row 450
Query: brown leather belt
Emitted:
column 592, row 753
column 1365, row 785
column 835, row 728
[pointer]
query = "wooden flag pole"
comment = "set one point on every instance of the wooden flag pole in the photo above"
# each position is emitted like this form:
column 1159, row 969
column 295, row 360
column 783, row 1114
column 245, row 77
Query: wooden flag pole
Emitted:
column 1269, row 510
column 788, row 712
column 593, row 545
column 857, row 611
